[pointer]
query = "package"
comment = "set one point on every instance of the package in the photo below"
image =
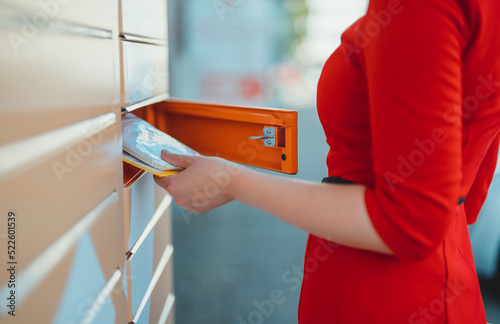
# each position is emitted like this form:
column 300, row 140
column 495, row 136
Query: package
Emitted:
column 143, row 143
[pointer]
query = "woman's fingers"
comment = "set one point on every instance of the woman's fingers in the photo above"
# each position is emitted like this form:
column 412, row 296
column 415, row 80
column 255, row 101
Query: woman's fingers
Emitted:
column 180, row 161
column 202, row 185
column 163, row 182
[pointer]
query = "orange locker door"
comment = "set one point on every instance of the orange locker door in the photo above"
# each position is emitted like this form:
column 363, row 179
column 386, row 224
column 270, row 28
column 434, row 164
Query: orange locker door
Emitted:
column 261, row 137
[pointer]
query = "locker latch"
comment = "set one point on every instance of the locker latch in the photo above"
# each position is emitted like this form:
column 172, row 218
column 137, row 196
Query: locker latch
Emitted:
column 269, row 136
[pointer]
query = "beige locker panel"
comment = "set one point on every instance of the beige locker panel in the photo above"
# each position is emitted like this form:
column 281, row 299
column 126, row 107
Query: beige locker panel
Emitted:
column 76, row 278
column 170, row 319
column 162, row 232
column 145, row 280
column 145, row 220
column 56, row 188
column 54, row 79
column 160, row 195
column 139, row 208
column 120, row 303
column 144, row 71
column 163, row 201
column 108, row 236
column 145, row 18
column 92, row 13
column 32, row 310
column 163, row 298
column 148, row 224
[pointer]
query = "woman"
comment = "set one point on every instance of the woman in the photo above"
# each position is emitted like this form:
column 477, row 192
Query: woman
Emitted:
column 409, row 104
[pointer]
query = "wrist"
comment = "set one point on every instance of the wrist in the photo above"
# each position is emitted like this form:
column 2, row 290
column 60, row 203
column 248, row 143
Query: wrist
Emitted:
column 236, row 173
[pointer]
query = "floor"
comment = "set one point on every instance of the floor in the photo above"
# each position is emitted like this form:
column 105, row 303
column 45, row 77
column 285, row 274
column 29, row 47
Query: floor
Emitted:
column 236, row 264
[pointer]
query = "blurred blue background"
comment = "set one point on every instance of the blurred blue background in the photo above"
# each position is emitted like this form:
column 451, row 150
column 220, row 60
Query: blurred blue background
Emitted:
column 230, row 261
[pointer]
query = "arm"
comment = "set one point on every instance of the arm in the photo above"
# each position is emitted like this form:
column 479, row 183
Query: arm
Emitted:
column 334, row 212
column 414, row 79
column 413, row 76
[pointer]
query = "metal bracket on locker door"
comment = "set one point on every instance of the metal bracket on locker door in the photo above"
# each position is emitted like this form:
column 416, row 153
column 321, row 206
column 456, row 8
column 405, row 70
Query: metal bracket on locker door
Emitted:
column 269, row 136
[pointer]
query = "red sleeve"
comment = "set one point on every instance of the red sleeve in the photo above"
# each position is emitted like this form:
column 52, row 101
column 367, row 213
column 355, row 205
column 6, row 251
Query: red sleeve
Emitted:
column 413, row 71
column 479, row 190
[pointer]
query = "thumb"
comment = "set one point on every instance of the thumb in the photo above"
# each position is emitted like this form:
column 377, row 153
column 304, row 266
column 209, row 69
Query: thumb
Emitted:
column 178, row 160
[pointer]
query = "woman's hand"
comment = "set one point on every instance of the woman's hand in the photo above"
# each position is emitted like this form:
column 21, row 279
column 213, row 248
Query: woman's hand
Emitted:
column 204, row 184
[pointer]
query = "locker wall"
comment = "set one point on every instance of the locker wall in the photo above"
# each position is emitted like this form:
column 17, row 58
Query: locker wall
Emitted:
column 91, row 243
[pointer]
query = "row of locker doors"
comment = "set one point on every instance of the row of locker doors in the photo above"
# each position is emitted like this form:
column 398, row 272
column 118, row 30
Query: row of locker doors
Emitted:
column 90, row 238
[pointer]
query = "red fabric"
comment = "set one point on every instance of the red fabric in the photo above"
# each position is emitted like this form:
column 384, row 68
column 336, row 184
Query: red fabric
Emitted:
column 410, row 107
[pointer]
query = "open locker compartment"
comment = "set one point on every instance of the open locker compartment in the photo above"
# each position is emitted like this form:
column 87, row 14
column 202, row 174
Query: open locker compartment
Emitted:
column 260, row 137
column 212, row 130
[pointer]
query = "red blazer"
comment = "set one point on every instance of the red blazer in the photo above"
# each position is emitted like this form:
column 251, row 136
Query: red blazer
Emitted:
column 410, row 107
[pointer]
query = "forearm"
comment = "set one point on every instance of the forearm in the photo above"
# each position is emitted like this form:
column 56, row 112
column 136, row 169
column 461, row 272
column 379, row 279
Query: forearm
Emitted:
column 331, row 211
column 334, row 212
